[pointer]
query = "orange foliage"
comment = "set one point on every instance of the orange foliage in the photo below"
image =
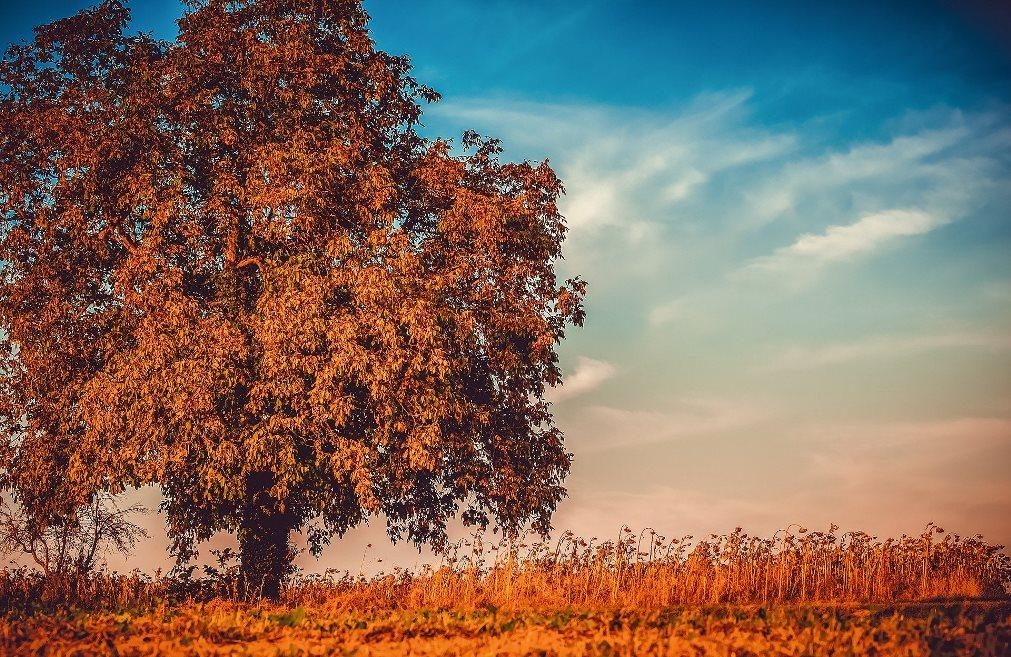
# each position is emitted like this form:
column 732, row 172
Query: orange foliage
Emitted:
column 229, row 265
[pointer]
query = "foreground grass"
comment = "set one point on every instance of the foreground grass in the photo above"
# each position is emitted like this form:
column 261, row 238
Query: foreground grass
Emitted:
column 225, row 628
column 641, row 594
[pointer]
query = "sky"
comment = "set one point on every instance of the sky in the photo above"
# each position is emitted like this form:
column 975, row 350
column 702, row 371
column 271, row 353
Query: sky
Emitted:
column 794, row 220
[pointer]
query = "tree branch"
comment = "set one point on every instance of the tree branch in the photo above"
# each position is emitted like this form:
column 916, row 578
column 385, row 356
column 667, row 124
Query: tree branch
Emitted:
column 254, row 260
column 119, row 236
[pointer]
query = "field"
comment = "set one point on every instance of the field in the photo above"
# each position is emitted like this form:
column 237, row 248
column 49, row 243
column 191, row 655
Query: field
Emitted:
column 231, row 629
column 640, row 594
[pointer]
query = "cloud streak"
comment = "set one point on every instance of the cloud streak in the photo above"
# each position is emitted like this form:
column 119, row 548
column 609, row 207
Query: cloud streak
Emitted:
column 588, row 374
column 601, row 428
column 810, row 357
column 842, row 242
column 627, row 168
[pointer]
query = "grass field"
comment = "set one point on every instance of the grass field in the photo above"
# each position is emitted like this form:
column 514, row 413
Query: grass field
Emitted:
column 223, row 628
column 810, row 593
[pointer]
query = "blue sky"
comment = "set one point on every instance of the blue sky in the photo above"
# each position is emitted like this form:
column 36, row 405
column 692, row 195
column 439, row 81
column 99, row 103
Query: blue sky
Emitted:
column 795, row 222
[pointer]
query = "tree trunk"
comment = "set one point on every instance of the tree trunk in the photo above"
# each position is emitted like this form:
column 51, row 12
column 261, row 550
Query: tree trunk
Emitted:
column 264, row 551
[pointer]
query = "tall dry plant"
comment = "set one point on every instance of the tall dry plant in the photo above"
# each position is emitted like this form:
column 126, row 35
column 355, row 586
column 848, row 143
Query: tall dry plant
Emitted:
column 641, row 571
column 230, row 266
column 648, row 571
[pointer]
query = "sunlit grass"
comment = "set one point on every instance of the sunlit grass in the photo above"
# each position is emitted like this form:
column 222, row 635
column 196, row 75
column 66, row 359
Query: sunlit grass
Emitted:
column 226, row 628
column 643, row 570
column 646, row 570
column 797, row 592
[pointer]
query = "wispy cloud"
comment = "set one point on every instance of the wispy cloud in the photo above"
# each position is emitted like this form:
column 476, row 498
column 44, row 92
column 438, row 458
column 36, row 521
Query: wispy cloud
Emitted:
column 927, row 470
column 665, row 312
column 628, row 169
column 802, row 211
column 882, row 477
column 946, row 436
column 689, row 203
column 587, row 375
column 673, row 511
column 841, row 242
column 872, row 172
column 889, row 346
column 721, row 251
column 605, row 427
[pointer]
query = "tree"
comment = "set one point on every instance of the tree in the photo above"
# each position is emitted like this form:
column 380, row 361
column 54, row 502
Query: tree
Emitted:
column 231, row 266
column 71, row 545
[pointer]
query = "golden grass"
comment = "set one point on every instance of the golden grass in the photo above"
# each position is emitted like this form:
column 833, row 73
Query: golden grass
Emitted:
column 226, row 628
column 647, row 571
column 644, row 571
column 795, row 593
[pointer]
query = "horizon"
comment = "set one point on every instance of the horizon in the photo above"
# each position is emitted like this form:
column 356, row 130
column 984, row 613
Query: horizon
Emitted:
column 796, row 242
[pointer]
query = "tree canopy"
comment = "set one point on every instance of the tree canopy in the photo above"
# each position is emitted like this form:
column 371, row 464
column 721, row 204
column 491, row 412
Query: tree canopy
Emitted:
column 231, row 266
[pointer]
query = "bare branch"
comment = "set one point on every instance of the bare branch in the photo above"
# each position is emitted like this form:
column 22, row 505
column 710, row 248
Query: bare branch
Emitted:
column 64, row 544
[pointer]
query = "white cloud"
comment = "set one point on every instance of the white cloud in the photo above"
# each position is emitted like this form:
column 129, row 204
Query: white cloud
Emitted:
column 864, row 235
column 588, row 374
column 628, row 173
column 839, row 242
column 686, row 204
column 871, row 171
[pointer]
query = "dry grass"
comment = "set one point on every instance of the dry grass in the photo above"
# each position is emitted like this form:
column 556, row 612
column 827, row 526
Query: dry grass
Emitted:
column 225, row 628
column 644, row 571
column 795, row 593
column 648, row 571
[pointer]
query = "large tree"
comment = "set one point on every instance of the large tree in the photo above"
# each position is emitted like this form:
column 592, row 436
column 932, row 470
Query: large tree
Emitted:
column 231, row 266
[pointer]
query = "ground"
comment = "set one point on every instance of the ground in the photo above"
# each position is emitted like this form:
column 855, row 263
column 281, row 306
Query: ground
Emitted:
column 223, row 628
